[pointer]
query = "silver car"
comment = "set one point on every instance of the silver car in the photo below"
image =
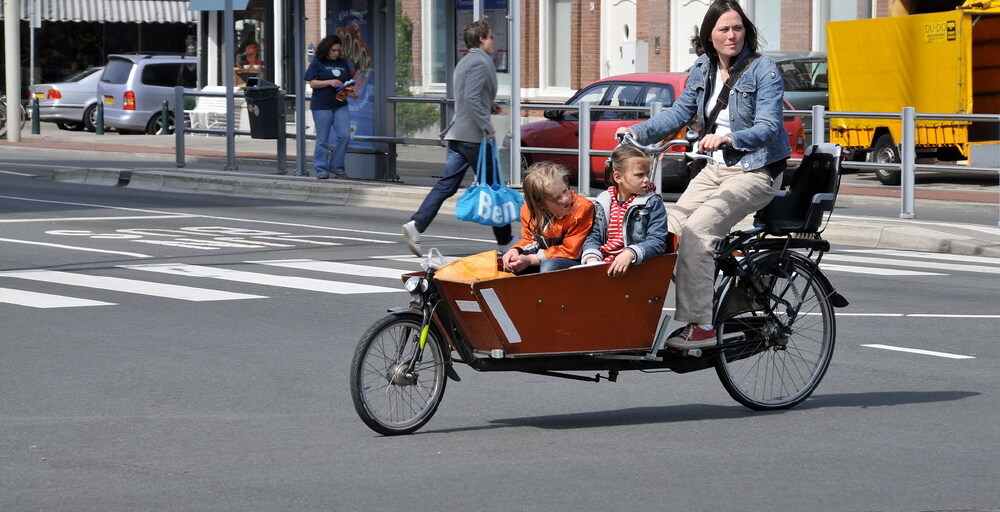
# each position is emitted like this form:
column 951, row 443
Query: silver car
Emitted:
column 72, row 103
column 134, row 87
column 805, row 78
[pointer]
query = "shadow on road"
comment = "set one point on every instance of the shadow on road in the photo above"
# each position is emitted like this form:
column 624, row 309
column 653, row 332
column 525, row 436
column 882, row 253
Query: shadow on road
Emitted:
column 697, row 412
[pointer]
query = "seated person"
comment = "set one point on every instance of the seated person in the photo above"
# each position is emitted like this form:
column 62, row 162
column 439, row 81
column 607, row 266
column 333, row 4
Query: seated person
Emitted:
column 630, row 224
column 555, row 220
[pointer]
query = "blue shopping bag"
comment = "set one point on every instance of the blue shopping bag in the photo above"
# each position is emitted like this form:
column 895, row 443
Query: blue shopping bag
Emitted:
column 485, row 202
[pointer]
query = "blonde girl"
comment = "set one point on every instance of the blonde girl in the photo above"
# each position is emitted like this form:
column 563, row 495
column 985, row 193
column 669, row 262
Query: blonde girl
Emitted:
column 555, row 221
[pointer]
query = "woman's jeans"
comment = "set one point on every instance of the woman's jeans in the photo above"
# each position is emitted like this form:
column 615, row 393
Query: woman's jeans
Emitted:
column 333, row 134
column 461, row 156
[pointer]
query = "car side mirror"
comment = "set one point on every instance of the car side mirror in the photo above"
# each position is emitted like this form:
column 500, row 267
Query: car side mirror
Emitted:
column 554, row 115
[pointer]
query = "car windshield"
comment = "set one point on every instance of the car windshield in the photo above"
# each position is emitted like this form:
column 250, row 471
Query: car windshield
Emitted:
column 804, row 75
column 76, row 77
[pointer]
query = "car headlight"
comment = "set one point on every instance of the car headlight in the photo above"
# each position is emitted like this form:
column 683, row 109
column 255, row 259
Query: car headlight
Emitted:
column 415, row 284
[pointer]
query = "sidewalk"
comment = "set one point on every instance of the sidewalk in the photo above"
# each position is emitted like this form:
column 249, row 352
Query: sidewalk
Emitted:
column 147, row 162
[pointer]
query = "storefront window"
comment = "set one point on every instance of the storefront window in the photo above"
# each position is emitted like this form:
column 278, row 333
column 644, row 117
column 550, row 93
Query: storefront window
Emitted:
column 252, row 45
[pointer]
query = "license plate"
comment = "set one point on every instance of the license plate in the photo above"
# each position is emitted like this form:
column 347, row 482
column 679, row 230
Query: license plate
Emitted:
column 109, row 100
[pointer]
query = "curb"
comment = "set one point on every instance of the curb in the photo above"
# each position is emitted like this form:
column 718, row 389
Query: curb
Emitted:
column 860, row 233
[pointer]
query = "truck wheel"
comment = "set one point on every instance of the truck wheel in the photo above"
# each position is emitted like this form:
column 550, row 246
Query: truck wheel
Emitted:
column 885, row 152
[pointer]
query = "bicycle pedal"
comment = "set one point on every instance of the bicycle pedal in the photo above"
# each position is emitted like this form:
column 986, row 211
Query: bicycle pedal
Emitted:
column 693, row 352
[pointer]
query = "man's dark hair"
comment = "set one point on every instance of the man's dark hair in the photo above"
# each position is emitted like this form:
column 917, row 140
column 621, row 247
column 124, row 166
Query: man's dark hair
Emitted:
column 715, row 11
column 475, row 32
column 323, row 48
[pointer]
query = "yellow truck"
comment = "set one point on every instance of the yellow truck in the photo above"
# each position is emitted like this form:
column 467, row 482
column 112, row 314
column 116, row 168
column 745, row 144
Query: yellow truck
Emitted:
column 937, row 62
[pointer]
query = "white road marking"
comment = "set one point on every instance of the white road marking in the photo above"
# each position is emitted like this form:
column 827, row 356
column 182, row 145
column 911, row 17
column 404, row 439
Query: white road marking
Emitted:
column 878, row 271
column 75, row 248
column 410, row 259
column 928, row 255
column 934, row 315
column 979, row 269
column 920, row 351
column 45, row 300
column 334, row 267
column 29, row 199
column 395, row 234
column 300, row 283
column 73, row 219
column 17, row 173
column 118, row 284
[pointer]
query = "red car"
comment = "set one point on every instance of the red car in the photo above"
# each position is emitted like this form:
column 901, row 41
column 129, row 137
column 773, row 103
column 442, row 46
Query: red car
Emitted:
column 559, row 130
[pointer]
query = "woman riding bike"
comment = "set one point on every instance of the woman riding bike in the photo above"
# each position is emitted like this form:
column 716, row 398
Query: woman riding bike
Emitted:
column 733, row 99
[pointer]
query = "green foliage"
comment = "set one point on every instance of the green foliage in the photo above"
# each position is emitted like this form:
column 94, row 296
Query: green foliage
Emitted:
column 410, row 117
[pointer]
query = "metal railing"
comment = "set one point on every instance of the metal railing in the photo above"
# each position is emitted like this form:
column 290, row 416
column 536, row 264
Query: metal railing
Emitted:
column 908, row 165
column 818, row 116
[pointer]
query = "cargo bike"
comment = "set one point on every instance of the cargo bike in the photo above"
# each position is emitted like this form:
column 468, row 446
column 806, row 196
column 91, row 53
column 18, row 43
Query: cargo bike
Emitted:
column 773, row 309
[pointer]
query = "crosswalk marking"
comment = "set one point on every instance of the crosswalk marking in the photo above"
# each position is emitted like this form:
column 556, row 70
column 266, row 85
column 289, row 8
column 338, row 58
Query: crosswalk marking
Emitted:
column 45, row 300
column 300, row 283
column 878, row 271
column 410, row 259
column 928, row 255
column 118, row 284
column 980, row 269
column 334, row 267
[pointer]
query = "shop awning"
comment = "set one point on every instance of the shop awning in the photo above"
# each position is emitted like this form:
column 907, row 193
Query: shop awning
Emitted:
column 112, row 11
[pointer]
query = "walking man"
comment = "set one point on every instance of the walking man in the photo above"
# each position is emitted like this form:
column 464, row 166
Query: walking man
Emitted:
column 475, row 84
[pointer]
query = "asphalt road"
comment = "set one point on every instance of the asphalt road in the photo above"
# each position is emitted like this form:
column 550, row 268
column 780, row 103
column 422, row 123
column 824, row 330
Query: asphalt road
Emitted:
column 38, row 161
column 229, row 390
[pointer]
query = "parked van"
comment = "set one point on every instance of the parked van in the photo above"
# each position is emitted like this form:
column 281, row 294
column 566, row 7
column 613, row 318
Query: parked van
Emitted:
column 134, row 87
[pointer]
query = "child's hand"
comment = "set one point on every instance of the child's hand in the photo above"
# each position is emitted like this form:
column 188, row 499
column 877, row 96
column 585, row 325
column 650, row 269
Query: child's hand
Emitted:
column 508, row 257
column 621, row 263
column 588, row 259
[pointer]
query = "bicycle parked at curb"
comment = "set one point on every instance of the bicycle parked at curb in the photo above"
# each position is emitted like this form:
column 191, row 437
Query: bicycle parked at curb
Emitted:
column 23, row 117
column 773, row 309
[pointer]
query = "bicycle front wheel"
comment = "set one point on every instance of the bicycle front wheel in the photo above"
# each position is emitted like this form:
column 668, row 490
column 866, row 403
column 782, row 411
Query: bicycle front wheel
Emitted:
column 776, row 332
column 395, row 390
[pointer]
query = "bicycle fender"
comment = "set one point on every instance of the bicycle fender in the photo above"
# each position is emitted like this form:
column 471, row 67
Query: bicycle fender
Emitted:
column 836, row 299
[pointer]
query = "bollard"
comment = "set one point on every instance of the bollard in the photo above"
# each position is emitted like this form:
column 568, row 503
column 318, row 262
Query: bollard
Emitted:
column 818, row 122
column 908, row 164
column 282, row 143
column 99, row 125
column 583, row 128
column 179, row 126
column 164, row 118
column 36, row 123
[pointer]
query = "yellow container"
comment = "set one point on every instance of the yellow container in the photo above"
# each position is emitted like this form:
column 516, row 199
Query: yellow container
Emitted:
column 943, row 62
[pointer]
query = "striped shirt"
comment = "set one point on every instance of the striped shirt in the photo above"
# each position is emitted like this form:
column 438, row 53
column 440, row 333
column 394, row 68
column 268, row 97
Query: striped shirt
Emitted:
column 615, row 243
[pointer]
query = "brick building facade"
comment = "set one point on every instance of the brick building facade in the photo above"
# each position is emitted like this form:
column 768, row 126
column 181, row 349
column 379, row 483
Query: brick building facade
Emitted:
column 652, row 41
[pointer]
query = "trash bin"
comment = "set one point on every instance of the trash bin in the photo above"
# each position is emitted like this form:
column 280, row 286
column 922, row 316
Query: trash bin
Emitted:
column 264, row 101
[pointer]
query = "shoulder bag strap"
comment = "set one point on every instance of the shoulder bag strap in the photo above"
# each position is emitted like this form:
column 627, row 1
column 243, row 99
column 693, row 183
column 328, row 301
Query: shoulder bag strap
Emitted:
column 723, row 101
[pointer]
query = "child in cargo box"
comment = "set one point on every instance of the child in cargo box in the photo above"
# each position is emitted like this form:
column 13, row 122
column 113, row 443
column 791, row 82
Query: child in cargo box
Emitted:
column 630, row 225
column 555, row 220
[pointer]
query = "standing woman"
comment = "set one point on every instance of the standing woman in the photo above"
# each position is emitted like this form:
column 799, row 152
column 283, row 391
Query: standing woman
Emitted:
column 733, row 98
column 327, row 75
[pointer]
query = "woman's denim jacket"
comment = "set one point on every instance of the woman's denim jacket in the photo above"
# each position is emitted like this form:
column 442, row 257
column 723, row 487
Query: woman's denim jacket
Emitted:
column 645, row 224
column 755, row 112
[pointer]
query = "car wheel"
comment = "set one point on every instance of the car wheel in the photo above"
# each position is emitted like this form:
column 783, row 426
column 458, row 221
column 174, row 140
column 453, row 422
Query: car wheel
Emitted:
column 90, row 118
column 885, row 152
column 69, row 126
column 154, row 125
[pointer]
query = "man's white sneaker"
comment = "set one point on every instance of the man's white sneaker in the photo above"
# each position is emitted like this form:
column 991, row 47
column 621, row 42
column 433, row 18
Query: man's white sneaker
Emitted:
column 412, row 237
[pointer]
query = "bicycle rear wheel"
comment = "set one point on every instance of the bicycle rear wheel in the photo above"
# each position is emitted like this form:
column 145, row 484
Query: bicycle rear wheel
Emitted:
column 775, row 361
column 388, row 397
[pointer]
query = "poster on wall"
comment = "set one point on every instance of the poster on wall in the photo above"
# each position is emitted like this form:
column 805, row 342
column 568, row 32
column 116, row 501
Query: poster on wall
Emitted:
column 495, row 12
column 351, row 22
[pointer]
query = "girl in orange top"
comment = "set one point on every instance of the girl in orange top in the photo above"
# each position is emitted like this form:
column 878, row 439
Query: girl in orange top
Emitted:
column 555, row 222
